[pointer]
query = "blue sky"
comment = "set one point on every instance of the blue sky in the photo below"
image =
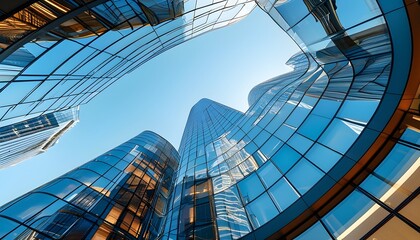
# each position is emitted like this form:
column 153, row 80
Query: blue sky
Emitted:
column 222, row 65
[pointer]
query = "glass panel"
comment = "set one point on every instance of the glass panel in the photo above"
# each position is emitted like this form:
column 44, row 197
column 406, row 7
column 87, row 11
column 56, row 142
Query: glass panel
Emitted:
column 96, row 166
column 285, row 158
column 231, row 218
column 316, row 230
column 348, row 212
column 271, row 146
column 394, row 179
column 323, row 157
column 313, row 126
column 85, row 176
column 283, row 194
column 300, row 143
column 340, row 135
column 366, row 9
column 269, row 174
column 6, row 226
column 53, row 58
column 61, row 187
column 15, row 92
column 299, row 11
column 304, row 175
column 358, row 110
column 261, row 210
column 395, row 229
column 250, row 188
column 411, row 211
column 326, row 108
column 20, row 210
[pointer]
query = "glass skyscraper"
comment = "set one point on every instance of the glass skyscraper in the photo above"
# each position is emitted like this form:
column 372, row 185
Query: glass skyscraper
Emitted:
column 57, row 54
column 121, row 194
column 25, row 139
column 329, row 150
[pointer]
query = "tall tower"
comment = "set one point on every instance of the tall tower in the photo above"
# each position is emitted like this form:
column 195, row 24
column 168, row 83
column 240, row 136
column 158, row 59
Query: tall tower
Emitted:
column 25, row 139
column 121, row 194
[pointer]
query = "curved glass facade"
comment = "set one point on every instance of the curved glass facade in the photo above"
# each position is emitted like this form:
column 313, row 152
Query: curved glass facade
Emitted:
column 56, row 54
column 297, row 158
column 330, row 149
column 121, row 194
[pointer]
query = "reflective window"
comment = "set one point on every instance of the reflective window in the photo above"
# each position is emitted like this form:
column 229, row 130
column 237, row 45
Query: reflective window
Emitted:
column 283, row 194
column 326, row 108
column 269, row 174
column 6, row 226
column 85, row 176
column 340, row 135
column 300, row 143
column 285, row 158
column 261, row 210
column 97, row 167
column 366, row 9
column 313, row 126
column 61, row 187
column 231, row 217
column 271, row 146
column 316, row 230
column 395, row 229
column 250, row 188
column 390, row 181
column 15, row 91
column 304, row 175
column 358, row 110
column 347, row 212
column 323, row 157
column 20, row 210
column 284, row 132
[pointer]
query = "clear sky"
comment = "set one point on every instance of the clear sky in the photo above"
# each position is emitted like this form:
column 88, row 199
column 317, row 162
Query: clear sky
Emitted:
column 222, row 65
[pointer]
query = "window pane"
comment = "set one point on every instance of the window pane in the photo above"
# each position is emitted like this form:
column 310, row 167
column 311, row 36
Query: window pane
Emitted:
column 304, row 175
column 340, row 135
column 61, row 187
column 20, row 210
column 269, row 174
column 395, row 229
column 323, row 157
column 316, row 230
column 250, row 188
column 231, row 218
column 347, row 212
column 285, row 158
column 261, row 210
column 6, row 226
column 283, row 194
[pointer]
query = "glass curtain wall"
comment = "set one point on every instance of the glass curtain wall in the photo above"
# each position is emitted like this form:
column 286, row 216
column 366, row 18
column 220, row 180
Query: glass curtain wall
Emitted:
column 121, row 194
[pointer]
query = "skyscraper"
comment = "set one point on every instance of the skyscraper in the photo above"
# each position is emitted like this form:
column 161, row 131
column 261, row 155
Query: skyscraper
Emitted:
column 121, row 194
column 330, row 149
column 57, row 54
column 25, row 139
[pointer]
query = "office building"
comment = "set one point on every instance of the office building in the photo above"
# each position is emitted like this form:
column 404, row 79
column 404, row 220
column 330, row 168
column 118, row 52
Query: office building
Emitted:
column 25, row 139
column 57, row 54
column 121, row 194
column 329, row 150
